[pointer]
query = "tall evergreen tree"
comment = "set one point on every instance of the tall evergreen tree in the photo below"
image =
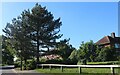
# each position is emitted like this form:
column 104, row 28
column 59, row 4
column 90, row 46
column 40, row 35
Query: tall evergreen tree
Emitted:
column 44, row 29
column 33, row 30
column 18, row 38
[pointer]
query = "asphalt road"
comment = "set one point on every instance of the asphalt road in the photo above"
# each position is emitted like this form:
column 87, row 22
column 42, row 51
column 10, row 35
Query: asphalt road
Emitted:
column 9, row 70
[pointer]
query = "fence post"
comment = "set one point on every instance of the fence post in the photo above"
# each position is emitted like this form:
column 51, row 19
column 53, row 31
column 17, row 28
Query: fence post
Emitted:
column 42, row 66
column 50, row 67
column 112, row 70
column 62, row 68
column 80, row 70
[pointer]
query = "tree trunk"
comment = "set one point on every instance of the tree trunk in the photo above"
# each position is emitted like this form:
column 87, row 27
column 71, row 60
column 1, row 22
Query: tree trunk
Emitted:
column 25, row 67
column 48, row 48
column 21, row 64
column 37, row 48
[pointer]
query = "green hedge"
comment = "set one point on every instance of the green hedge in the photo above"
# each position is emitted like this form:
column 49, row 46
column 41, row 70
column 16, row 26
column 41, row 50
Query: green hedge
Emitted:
column 31, row 64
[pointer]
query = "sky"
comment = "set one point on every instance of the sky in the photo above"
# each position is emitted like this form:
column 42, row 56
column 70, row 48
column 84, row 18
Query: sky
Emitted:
column 81, row 21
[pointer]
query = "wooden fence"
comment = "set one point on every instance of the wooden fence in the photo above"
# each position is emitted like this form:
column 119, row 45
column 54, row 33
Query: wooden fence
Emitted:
column 82, row 66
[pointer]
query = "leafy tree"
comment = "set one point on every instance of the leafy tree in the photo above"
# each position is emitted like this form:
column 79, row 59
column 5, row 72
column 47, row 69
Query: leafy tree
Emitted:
column 64, row 48
column 87, row 51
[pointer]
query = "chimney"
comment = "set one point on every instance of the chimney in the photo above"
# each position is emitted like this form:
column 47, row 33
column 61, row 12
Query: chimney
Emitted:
column 113, row 35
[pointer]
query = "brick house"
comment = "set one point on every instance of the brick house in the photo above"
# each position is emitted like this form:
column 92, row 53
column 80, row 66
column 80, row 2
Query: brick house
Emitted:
column 109, row 41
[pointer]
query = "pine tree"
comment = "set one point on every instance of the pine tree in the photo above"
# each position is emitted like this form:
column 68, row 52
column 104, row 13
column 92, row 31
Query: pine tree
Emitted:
column 33, row 30
column 44, row 29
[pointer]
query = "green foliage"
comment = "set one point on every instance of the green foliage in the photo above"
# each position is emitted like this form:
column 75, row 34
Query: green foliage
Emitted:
column 17, row 64
column 31, row 64
column 101, row 63
column 32, row 30
column 91, row 52
column 64, row 48
column 43, row 60
column 87, row 51
column 44, row 28
column 75, row 71
column 53, row 61
column 7, row 51
column 73, row 57
column 107, row 54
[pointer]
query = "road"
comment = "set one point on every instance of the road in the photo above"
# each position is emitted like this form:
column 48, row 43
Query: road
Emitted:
column 9, row 70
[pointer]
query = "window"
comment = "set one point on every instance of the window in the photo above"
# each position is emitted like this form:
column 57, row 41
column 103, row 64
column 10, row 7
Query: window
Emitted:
column 117, row 45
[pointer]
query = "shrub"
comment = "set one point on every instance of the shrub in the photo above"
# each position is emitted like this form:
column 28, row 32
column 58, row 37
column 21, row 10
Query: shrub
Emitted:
column 53, row 61
column 70, row 62
column 43, row 59
column 31, row 64
column 17, row 64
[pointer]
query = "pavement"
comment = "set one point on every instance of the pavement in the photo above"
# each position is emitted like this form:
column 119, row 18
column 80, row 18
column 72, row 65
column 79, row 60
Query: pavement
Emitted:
column 9, row 70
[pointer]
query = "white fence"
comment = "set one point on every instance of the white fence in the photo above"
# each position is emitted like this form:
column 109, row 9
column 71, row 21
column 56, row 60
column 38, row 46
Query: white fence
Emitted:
column 82, row 66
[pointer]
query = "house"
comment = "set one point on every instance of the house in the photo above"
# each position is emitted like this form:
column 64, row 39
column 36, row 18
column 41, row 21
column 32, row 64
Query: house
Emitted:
column 110, row 41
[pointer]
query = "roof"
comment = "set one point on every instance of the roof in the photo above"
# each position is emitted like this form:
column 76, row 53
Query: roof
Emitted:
column 108, row 39
column 104, row 40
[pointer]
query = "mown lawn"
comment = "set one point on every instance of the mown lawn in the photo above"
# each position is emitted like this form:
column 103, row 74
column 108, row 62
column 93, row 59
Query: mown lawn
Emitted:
column 75, row 71
column 102, row 63
column 85, row 71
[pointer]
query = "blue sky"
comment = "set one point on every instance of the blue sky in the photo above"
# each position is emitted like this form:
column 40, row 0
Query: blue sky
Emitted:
column 81, row 21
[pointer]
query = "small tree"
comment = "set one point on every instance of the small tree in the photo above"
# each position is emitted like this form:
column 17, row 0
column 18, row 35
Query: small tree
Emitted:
column 64, row 48
column 87, row 51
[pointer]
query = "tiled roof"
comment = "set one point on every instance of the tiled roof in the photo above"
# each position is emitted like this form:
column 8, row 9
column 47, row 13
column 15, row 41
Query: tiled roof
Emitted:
column 105, row 40
column 108, row 40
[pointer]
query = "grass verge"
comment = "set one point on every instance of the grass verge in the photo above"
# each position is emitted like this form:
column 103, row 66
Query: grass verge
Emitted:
column 102, row 63
column 75, row 71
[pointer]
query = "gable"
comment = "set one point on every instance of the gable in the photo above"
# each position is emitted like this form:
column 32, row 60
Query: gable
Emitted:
column 104, row 40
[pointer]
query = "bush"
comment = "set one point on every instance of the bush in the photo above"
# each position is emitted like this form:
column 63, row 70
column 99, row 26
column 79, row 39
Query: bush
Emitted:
column 54, row 61
column 51, row 59
column 17, row 64
column 83, row 61
column 43, row 60
column 31, row 64
column 70, row 62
